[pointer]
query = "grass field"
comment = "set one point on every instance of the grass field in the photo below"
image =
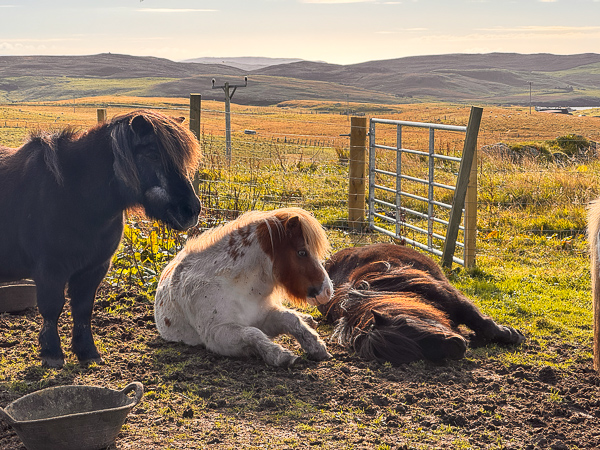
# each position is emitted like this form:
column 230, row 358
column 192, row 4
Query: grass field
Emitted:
column 532, row 264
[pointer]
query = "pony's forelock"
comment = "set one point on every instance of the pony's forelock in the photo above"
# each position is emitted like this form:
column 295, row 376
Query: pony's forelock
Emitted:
column 179, row 148
column 314, row 234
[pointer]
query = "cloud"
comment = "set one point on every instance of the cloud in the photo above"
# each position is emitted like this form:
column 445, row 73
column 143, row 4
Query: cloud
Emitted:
column 547, row 1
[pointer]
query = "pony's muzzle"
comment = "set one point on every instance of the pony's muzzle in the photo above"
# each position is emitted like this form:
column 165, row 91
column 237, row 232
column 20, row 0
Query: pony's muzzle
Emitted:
column 319, row 296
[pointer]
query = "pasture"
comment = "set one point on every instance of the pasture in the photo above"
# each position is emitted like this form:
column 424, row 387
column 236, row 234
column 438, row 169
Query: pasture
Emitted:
column 532, row 273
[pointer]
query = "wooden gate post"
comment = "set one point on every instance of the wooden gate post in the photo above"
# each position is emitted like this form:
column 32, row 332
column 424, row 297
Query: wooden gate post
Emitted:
column 356, row 185
column 195, row 105
column 464, row 174
column 101, row 114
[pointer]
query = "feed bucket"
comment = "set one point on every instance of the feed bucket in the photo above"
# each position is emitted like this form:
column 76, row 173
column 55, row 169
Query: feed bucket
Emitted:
column 71, row 417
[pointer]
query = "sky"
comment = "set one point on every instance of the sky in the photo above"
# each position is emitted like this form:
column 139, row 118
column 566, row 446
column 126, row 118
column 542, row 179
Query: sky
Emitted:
column 334, row 31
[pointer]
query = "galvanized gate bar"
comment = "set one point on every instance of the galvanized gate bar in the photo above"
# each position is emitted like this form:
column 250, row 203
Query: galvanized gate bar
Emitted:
column 437, row 126
column 399, row 217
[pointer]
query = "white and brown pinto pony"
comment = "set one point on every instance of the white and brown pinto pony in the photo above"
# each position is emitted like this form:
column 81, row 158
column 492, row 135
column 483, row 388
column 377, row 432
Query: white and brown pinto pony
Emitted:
column 225, row 289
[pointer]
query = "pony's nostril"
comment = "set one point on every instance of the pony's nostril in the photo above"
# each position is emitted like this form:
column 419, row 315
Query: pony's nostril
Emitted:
column 313, row 292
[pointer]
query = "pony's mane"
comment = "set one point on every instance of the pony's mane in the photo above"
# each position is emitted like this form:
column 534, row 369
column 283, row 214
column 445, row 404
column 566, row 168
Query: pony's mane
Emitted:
column 49, row 144
column 178, row 146
column 314, row 234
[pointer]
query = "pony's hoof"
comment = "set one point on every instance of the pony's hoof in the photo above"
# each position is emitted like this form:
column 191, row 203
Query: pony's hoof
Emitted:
column 53, row 363
column 286, row 360
column 321, row 356
column 310, row 321
column 510, row 335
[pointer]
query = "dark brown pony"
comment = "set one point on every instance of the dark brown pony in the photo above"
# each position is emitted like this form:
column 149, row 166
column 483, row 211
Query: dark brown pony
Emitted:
column 392, row 303
column 62, row 198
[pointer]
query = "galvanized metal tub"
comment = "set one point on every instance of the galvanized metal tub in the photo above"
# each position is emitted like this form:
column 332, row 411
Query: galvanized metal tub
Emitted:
column 71, row 417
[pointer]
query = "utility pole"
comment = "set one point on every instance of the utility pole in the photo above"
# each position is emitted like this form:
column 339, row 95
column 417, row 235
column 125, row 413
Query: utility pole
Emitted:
column 530, row 83
column 228, row 95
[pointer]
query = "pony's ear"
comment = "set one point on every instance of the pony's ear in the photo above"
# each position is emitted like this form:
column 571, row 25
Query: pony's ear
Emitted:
column 381, row 320
column 141, row 126
column 292, row 223
column 178, row 119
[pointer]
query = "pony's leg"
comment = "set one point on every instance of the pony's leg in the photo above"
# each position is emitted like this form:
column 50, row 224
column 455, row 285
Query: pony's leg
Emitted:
column 464, row 311
column 308, row 320
column 236, row 340
column 82, row 290
column 461, row 310
column 286, row 321
column 50, row 301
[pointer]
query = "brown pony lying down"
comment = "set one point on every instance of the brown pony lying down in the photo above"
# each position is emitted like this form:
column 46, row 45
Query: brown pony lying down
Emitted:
column 392, row 303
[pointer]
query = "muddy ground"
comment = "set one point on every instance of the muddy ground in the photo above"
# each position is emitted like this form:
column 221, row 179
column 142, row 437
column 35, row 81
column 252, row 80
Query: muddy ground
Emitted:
column 195, row 399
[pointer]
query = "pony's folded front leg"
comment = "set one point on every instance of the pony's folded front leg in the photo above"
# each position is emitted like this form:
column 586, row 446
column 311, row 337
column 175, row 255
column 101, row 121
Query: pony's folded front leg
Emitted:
column 289, row 322
column 236, row 340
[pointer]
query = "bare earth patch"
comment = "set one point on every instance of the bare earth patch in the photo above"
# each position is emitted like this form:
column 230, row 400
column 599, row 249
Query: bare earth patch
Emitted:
column 195, row 399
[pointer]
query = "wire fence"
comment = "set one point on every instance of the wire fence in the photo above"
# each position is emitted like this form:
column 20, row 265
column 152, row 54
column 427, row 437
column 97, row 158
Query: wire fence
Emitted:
column 297, row 156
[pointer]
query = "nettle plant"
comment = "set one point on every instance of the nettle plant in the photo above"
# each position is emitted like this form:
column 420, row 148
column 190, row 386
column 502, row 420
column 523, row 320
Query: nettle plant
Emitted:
column 147, row 246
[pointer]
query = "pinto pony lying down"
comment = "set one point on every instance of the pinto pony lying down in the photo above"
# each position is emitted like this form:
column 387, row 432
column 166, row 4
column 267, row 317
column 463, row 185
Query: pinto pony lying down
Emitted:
column 224, row 290
column 392, row 303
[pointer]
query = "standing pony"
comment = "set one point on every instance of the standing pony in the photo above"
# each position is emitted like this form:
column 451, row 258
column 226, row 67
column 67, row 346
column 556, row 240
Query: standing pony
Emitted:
column 224, row 290
column 392, row 303
column 62, row 198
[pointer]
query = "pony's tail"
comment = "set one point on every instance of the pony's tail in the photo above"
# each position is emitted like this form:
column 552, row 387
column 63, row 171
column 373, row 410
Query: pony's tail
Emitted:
column 594, row 243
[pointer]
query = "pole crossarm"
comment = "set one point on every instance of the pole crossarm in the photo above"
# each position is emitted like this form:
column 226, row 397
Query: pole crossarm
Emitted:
column 228, row 86
column 228, row 94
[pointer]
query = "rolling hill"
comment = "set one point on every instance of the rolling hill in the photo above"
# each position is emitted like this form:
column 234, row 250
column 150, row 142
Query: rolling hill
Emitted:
column 494, row 78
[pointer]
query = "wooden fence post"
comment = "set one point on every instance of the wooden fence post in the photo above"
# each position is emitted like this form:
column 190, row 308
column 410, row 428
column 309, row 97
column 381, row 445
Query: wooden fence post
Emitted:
column 356, row 185
column 464, row 174
column 101, row 114
column 471, row 216
column 195, row 109
column 195, row 105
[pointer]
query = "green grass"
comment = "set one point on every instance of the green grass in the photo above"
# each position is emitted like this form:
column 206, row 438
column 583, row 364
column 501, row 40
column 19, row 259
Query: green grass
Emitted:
column 64, row 88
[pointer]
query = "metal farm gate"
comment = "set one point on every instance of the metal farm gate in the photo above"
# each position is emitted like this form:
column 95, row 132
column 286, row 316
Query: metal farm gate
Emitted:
column 388, row 200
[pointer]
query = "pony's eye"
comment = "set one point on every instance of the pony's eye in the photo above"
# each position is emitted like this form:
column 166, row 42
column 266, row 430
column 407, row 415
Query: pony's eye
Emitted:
column 302, row 253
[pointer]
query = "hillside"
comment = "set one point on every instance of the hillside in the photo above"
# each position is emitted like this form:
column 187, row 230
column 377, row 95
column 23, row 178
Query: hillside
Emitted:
column 247, row 63
column 494, row 78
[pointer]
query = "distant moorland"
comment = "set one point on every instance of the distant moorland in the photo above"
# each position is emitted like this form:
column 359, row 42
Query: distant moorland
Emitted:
column 494, row 78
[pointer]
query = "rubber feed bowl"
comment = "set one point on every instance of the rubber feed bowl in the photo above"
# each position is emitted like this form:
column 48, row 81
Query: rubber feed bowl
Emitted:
column 17, row 296
column 71, row 417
